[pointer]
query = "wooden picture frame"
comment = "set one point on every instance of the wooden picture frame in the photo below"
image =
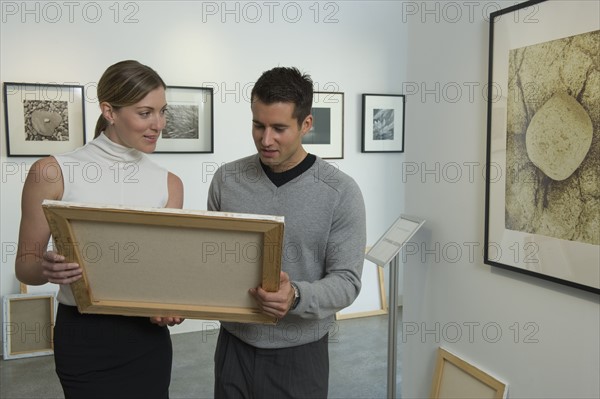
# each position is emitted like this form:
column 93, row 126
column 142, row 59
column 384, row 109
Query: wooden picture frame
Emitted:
column 189, row 128
column 43, row 119
column 168, row 262
column 326, row 138
column 367, row 305
column 456, row 378
column 543, row 142
column 383, row 122
column 28, row 328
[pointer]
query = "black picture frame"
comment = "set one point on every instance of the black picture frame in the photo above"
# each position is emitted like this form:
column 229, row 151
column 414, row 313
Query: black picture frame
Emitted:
column 538, row 220
column 43, row 119
column 190, row 121
column 383, row 122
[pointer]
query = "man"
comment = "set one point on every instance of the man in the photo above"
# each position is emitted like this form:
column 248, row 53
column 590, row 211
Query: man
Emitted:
column 323, row 251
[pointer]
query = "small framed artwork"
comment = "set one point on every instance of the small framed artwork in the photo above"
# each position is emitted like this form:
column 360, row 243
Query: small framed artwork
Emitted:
column 456, row 378
column 189, row 127
column 371, row 301
column 43, row 119
column 383, row 122
column 28, row 325
column 543, row 142
column 130, row 268
column 326, row 137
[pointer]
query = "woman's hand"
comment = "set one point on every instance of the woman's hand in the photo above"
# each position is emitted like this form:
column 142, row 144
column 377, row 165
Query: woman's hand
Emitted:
column 58, row 272
column 167, row 321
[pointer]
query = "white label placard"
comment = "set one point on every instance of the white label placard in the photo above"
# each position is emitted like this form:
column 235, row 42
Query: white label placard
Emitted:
column 394, row 239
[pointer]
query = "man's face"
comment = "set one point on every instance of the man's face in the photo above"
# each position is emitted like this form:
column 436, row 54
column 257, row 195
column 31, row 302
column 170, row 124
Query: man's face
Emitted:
column 277, row 136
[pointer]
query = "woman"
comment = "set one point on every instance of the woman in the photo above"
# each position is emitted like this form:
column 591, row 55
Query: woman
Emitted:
column 102, row 355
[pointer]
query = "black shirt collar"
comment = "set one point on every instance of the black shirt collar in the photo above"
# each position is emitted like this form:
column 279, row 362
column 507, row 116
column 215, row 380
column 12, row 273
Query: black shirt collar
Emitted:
column 279, row 179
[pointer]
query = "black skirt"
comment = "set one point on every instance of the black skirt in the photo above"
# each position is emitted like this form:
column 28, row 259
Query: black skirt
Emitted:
column 101, row 356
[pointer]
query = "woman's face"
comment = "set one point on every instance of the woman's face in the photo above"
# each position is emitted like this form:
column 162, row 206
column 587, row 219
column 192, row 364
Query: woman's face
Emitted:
column 139, row 125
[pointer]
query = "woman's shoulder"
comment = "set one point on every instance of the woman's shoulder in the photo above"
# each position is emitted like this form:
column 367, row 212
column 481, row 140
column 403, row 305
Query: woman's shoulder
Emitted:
column 45, row 177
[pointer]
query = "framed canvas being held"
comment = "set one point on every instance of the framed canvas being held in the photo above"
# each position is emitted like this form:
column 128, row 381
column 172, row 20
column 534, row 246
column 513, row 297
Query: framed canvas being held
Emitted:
column 168, row 262
column 43, row 119
column 542, row 209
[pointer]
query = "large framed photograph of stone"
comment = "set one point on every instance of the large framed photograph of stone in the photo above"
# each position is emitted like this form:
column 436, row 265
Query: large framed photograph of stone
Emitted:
column 43, row 119
column 542, row 206
column 168, row 262
column 383, row 122
column 326, row 137
column 189, row 127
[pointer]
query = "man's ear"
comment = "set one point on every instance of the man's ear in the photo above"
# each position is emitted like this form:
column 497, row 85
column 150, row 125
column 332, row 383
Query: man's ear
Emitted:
column 306, row 125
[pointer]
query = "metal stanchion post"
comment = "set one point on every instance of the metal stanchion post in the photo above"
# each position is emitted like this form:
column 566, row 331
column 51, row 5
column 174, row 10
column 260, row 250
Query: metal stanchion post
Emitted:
column 392, row 329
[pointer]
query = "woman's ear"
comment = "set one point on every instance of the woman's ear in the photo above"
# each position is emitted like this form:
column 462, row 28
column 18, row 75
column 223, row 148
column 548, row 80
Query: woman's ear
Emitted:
column 107, row 112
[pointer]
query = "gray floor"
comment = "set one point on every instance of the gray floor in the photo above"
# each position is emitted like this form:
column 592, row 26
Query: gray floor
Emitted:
column 358, row 363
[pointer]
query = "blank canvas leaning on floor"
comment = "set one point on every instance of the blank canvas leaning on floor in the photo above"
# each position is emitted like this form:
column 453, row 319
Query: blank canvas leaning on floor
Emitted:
column 28, row 325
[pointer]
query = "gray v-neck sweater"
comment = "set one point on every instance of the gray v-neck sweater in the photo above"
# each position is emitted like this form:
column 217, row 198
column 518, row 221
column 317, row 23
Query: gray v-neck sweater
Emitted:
column 324, row 243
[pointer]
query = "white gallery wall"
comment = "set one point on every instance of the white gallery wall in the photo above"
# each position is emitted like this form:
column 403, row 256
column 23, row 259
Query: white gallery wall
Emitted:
column 540, row 338
column 548, row 343
column 224, row 45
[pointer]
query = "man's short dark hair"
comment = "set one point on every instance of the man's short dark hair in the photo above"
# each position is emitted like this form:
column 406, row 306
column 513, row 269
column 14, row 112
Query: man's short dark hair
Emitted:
column 287, row 85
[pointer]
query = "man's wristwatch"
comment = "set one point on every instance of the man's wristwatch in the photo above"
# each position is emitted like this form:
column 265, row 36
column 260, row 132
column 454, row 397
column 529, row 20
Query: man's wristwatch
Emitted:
column 296, row 296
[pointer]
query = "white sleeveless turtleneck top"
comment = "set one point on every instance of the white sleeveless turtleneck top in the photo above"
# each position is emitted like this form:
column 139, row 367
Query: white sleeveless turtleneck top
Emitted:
column 104, row 172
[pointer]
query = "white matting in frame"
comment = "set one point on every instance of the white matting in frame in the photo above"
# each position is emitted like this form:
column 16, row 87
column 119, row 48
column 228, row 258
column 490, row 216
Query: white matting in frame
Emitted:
column 394, row 239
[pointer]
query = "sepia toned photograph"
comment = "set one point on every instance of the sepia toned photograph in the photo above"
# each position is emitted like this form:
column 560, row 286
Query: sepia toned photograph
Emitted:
column 553, row 139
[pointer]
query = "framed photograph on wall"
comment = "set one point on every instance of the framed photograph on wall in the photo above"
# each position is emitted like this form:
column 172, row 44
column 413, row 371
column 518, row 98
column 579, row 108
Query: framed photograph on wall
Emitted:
column 382, row 123
column 543, row 142
column 43, row 119
column 326, row 137
column 189, row 126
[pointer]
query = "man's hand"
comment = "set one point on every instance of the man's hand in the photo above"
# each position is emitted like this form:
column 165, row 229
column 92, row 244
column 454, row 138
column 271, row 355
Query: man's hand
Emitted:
column 275, row 303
